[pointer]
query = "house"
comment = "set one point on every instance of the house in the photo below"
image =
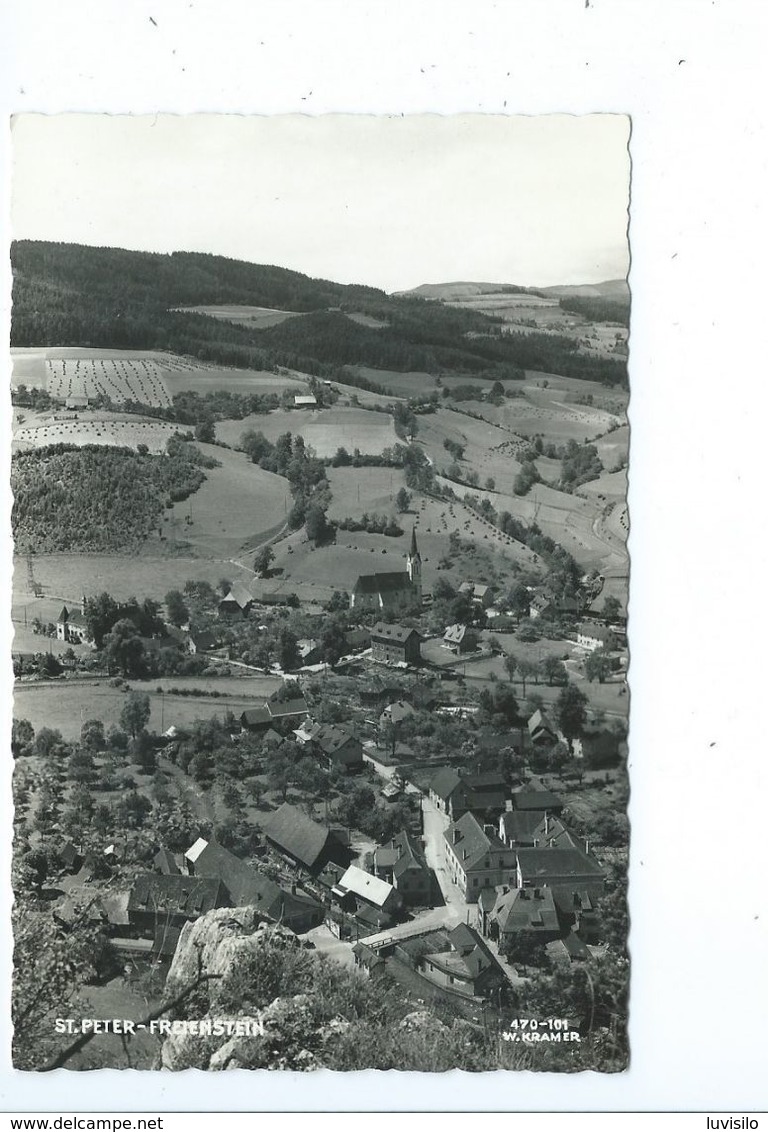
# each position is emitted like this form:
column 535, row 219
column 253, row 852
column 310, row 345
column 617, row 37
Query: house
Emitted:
column 458, row 960
column 273, row 711
column 338, row 747
column 367, row 959
column 237, row 604
column 76, row 401
column 540, row 606
column 592, row 636
column 442, row 786
column 517, row 910
column 200, row 640
column 306, row 401
column 156, row 899
column 541, row 730
column 566, row 868
column 70, row 856
column 402, row 863
column 310, row 651
column 304, row 842
column 72, row 627
column 393, row 591
column 357, row 885
column 534, row 796
column 477, row 858
column 396, row 712
column 571, row 949
column 245, row 886
column 395, row 644
column 577, row 909
column 532, row 829
column 476, row 592
column 457, row 639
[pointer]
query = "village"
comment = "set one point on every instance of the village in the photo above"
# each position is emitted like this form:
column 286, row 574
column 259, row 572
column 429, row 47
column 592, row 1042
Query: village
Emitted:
column 455, row 834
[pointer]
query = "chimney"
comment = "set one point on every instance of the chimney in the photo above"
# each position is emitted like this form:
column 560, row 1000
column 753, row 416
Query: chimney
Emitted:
column 537, row 894
column 546, row 822
column 586, row 847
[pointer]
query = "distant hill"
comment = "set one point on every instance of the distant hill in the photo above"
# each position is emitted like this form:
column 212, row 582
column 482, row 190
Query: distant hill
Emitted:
column 615, row 289
column 76, row 295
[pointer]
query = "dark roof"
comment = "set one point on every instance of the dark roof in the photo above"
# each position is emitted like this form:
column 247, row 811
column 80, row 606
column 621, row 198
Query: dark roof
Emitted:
column 393, row 581
column 520, row 825
column 473, row 842
column 520, row 909
column 383, row 631
column 246, row 886
column 569, row 899
column 400, row 709
column 189, row 896
column 366, row 955
column 539, row 721
column 280, row 709
column 300, row 837
column 466, row 955
column 570, row 948
column 203, row 639
column 166, row 940
column 535, row 796
column 414, row 551
column 540, row 864
column 166, row 862
column 331, row 739
column 488, row 780
column 238, row 595
column 445, row 782
column 252, row 716
column 357, row 638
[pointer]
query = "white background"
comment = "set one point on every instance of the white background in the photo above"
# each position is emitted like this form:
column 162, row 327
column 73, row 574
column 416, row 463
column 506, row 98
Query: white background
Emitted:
column 691, row 74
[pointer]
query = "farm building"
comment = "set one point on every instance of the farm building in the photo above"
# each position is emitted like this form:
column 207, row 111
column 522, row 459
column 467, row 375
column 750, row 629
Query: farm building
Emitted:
column 72, row 627
column 592, row 637
column 357, row 639
column 171, row 899
column 310, row 651
column 247, row 887
column 535, row 796
column 541, row 731
column 304, row 842
column 396, row 712
column 305, row 402
column 336, row 746
column 540, row 606
column 477, row 592
column 395, row 644
column 391, row 591
column 77, row 402
column 442, row 787
column 273, row 711
column 237, row 603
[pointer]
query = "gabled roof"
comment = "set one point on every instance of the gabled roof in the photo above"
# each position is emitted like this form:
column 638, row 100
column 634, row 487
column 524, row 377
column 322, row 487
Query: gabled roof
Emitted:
column 188, row 896
column 470, row 842
column 520, row 825
column 295, row 833
column 540, row 722
column 202, row 638
column 571, row 948
column 251, row 716
column 465, row 954
column 538, row 865
column 247, row 887
column 445, row 782
column 382, row 631
column 195, row 850
column 521, row 909
column 367, row 886
column 331, row 739
column 535, row 796
column 280, row 709
column 455, row 634
column 596, row 632
column 238, row 595
column 165, row 861
column 63, row 616
column 357, row 638
column 400, row 709
column 307, row 399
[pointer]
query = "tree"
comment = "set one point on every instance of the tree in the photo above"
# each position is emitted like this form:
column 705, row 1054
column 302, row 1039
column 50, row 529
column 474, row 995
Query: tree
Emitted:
column 339, row 601
column 263, row 560
column 205, row 431
column 554, row 671
column 317, row 526
column 49, row 665
column 287, row 650
column 176, row 608
column 135, row 714
column 510, row 664
column 92, row 735
column 611, row 608
column 47, row 740
column 100, row 615
column 403, row 500
column 124, row 649
column 525, row 670
column 22, row 736
column 333, row 641
column 571, row 709
column 597, row 666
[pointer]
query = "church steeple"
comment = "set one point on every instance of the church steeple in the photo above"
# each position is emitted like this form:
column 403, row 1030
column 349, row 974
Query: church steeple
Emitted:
column 414, row 565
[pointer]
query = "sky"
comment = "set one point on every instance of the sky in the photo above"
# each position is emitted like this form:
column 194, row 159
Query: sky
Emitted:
column 392, row 202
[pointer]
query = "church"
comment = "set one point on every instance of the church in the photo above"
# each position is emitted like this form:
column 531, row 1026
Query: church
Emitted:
column 393, row 591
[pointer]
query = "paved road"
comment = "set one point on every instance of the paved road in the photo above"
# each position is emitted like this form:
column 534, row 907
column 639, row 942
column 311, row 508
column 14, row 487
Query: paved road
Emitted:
column 435, row 825
column 445, row 917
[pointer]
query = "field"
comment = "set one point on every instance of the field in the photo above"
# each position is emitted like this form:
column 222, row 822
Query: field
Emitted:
column 324, row 430
column 543, row 414
column 239, row 504
column 359, row 490
column 67, row 704
column 409, row 384
column 258, row 318
column 150, row 376
column 613, row 448
column 109, row 429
